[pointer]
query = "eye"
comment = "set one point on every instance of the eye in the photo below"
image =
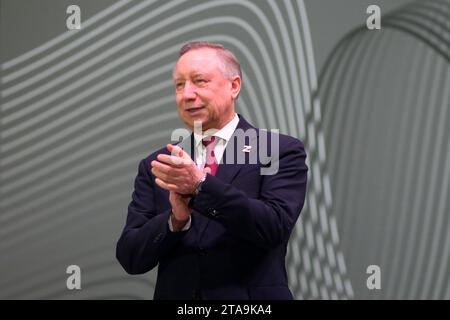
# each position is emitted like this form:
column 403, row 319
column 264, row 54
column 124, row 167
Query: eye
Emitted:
column 199, row 81
column 179, row 85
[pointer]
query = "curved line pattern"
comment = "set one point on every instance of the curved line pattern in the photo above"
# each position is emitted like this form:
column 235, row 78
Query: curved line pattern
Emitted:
column 386, row 105
column 80, row 110
column 50, row 44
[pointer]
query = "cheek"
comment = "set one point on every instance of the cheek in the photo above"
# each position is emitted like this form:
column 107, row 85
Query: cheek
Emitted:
column 221, row 102
column 214, row 101
column 178, row 99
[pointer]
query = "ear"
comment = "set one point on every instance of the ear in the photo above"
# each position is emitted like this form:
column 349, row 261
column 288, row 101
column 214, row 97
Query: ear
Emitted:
column 235, row 86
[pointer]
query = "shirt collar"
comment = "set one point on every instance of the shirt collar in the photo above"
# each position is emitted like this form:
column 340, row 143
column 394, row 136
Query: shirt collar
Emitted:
column 225, row 133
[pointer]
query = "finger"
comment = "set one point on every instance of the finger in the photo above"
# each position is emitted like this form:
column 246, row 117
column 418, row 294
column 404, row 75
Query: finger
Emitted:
column 167, row 172
column 158, row 174
column 168, row 178
column 178, row 152
column 175, row 150
column 161, row 167
column 165, row 185
column 171, row 160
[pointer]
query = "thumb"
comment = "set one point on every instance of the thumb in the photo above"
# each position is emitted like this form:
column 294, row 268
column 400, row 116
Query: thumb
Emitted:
column 207, row 170
column 174, row 150
column 177, row 151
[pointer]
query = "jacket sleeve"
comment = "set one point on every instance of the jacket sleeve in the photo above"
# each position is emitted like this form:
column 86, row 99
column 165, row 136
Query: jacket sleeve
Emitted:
column 146, row 236
column 268, row 220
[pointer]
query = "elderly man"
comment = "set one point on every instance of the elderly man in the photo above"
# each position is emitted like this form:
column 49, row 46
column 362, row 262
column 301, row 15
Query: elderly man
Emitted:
column 216, row 227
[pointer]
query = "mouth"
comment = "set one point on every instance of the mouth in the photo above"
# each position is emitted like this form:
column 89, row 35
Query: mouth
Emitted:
column 195, row 110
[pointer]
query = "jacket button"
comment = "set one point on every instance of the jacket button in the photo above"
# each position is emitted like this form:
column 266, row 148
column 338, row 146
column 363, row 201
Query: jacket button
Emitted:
column 213, row 212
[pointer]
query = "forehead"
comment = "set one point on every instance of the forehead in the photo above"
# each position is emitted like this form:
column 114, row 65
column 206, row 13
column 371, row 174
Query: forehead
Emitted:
column 203, row 60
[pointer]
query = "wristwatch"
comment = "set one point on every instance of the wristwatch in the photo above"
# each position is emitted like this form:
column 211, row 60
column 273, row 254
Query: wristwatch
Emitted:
column 198, row 188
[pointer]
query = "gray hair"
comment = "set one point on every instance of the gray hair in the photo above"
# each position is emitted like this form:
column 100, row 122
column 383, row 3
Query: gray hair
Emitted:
column 231, row 65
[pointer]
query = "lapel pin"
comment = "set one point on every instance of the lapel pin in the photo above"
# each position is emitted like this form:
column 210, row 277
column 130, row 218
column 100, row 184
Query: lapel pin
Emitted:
column 247, row 148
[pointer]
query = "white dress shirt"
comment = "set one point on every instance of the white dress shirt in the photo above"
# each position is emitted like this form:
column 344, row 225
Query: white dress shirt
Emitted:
column 223, row 136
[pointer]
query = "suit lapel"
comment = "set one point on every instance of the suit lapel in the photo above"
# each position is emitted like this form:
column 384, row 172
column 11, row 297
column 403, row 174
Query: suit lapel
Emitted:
column 228, row 171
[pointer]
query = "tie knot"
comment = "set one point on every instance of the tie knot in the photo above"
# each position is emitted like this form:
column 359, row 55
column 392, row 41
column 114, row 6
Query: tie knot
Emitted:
column 207, row 141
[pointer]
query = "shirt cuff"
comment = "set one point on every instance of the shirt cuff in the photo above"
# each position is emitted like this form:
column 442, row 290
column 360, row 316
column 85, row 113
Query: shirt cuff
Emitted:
column 186, row 226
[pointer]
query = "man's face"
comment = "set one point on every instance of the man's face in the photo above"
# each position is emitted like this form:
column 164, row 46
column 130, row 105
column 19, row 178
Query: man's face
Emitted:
column 203, row 93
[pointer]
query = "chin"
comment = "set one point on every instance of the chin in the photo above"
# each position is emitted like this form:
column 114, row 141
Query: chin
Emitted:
column 198, row 119
column 189, row 122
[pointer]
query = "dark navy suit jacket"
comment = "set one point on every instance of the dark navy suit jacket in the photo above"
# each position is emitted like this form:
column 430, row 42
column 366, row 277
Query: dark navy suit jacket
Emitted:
column 241, row 224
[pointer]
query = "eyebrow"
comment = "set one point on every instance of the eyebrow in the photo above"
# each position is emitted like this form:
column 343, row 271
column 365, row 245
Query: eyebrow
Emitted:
column 198, row 74
column 193, row 75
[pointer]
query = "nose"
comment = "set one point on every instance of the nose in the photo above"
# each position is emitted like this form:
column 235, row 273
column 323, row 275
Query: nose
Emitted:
column 189, row 91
